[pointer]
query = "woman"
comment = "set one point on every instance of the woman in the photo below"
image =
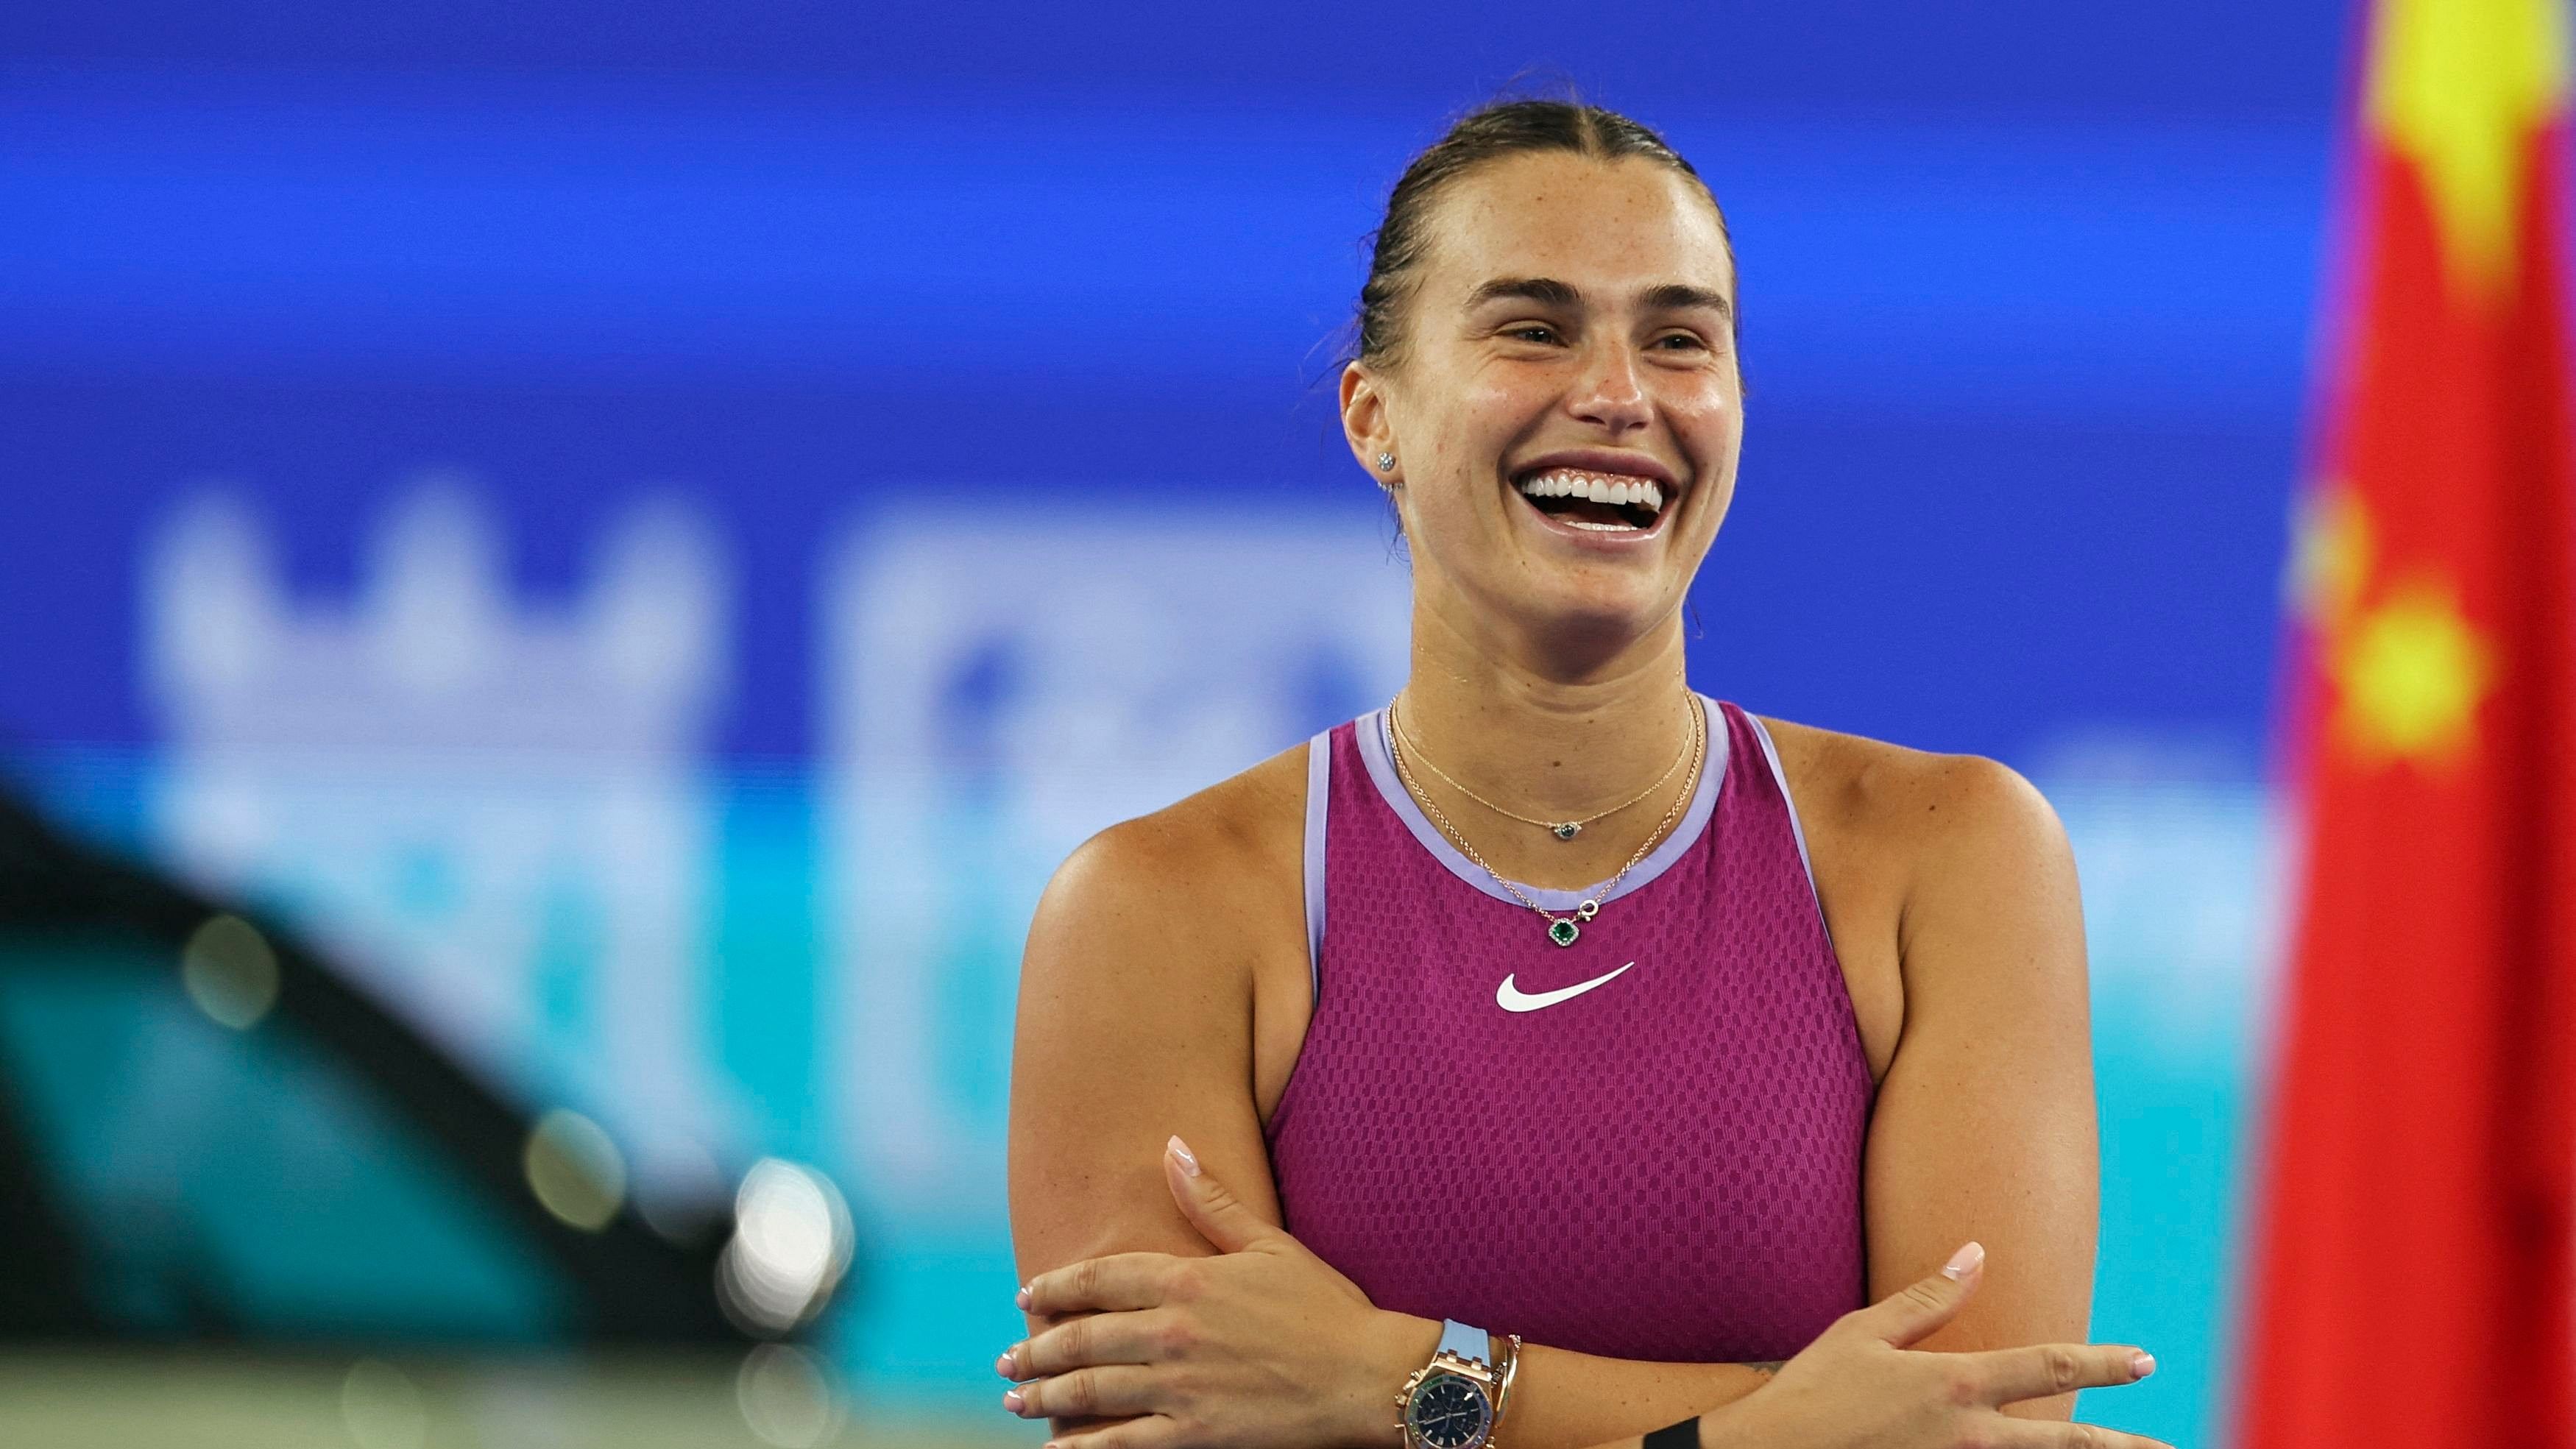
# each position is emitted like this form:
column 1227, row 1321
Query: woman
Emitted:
column 1600, row 1045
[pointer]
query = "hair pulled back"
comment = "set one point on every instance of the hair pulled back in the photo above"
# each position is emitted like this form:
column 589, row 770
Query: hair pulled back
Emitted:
column 1482, row 136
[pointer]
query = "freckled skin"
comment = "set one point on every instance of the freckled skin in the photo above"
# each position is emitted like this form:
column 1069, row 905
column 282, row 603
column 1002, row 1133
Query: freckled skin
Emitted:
column 1479, row 386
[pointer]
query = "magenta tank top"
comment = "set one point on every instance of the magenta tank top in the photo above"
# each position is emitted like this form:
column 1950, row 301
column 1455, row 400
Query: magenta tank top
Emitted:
column 1664, row 1163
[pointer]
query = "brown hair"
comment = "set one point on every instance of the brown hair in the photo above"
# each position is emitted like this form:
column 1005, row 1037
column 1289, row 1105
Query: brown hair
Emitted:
column 1489, row 133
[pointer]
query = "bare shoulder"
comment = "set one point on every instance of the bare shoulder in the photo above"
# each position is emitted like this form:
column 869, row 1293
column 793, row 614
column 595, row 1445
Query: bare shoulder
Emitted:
column 1941, row 876
column 1192, row 868
column 1170, row 922
column 1914, row 813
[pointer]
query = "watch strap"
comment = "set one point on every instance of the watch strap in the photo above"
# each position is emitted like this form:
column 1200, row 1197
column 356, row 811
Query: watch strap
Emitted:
column 1464, row 1341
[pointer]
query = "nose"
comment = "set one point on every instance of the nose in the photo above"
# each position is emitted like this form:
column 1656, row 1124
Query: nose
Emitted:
column 1611, row 393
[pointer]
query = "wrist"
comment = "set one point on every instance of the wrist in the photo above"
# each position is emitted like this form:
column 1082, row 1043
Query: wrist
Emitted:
column 1724, row 1428
column 1395, row 1347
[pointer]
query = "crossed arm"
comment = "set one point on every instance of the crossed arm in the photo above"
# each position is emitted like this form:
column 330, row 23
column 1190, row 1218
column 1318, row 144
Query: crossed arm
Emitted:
column 1142, row 998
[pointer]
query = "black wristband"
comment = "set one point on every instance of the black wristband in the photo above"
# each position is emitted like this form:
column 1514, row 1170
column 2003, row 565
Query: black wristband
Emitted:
column 1684, row 1435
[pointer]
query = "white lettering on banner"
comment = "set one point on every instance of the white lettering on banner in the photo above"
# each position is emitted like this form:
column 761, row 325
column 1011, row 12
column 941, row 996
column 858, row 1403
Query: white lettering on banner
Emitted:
column 993, row 694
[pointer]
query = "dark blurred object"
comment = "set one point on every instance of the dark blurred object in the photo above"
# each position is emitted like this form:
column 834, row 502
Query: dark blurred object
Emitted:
column 208, row 1134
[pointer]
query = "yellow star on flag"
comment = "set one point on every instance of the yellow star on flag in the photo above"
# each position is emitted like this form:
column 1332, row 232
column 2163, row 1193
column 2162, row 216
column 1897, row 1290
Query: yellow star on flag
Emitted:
column 2410, row 673
column 2460, row 86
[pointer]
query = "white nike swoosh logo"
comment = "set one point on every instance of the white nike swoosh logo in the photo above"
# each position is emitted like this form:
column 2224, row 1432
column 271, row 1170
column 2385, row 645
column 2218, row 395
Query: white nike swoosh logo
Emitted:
column 1512, row 998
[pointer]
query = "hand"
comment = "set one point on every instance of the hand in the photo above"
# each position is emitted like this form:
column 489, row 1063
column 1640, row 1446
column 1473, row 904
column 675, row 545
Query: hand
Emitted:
column 1264, row 1345
column 1857, row 1386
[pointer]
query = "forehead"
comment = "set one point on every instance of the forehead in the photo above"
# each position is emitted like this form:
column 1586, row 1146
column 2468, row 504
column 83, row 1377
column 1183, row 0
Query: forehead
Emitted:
column 1608, row 227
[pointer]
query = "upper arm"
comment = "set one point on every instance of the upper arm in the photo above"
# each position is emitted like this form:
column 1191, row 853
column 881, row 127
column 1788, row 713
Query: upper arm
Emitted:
column 1984, row 1127
column 1135, row 1024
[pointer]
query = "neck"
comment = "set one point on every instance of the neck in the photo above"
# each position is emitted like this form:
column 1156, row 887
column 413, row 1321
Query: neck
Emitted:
column 1555, row 735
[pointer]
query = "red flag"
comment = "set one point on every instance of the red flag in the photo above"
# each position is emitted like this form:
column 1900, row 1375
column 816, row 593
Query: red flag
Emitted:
column 2411, row 1275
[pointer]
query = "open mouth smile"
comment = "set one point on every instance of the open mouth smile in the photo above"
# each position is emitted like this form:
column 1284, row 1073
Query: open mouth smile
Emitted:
column 1608, row 505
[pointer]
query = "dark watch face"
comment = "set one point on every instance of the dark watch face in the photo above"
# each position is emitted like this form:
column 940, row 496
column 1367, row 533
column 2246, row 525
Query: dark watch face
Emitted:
column 1449, row 1412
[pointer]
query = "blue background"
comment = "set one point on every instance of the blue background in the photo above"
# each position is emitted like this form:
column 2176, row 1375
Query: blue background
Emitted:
column 2028, row 293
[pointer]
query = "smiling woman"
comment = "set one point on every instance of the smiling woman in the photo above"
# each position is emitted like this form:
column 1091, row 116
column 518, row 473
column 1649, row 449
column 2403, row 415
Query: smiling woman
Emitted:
column 1548, row 1056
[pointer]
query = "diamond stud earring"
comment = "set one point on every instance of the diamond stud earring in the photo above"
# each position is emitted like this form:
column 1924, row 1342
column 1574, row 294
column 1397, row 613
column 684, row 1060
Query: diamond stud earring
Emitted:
column 1386, row 462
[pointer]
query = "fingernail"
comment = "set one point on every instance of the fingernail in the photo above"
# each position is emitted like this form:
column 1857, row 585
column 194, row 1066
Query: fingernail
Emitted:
column 1011, row 1400
column 1022, row 1297
column 1004, row 1366
column 1964, row 1262
column 2142, row 1364
column 1181, row 1154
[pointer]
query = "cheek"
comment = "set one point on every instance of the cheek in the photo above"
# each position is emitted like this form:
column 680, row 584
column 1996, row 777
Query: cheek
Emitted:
column 1486, row 420
column 1457, row 453
column 1445, row 515
column 1711, row 427
column 1711, row 402
column 1713, row 516
column 1496, row 404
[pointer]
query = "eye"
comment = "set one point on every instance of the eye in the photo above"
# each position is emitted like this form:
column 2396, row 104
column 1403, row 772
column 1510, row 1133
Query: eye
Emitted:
column 1689, row 342
column 1538, row 332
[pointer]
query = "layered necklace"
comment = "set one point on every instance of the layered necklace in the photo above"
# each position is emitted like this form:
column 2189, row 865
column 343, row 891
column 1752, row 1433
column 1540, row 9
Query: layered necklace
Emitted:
column 1561, row 829
column 1565, row 929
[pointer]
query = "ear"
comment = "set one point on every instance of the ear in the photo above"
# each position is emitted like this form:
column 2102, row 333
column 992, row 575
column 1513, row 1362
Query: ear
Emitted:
column 1365, row 424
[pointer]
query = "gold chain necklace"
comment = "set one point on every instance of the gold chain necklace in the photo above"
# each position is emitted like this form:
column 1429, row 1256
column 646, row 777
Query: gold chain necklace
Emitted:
column 1561, row 829
column 1566, row 929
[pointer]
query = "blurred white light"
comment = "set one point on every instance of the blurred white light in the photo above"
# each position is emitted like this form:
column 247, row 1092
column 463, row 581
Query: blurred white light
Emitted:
column 382, row 1407
column 786, row 1397
column 791, row 1243
column 574, row 1170
column 229, row 971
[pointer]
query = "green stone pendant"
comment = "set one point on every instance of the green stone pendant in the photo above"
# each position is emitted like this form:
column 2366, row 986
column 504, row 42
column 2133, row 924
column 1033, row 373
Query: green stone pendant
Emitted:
column 1567, row 831
column 1563, row 932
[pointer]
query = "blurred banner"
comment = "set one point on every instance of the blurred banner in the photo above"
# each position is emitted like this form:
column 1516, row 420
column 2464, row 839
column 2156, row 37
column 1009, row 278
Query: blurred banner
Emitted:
column 642, row 535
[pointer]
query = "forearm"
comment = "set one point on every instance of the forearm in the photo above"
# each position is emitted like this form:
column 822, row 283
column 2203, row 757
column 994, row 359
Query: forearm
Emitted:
column 1570, row 1400
column 1567, row 1400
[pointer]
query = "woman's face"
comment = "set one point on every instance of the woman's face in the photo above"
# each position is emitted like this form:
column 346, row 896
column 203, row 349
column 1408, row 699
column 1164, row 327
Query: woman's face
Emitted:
column 1569, row 340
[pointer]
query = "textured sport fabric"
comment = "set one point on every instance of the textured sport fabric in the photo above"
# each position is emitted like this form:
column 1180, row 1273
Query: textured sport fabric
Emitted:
column 1666, row 1166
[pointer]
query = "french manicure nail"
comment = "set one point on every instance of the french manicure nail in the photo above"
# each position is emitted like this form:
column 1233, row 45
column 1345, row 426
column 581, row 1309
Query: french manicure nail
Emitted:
column 2142, row 1364
column 1003, row 1365
column 1022, row 1297
column 1181, row 1154
column 1964, row 1262
column 1012, row 1401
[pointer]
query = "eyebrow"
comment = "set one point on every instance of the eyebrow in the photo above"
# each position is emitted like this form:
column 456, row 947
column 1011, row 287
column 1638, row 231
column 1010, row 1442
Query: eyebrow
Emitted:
column 1548, row 291
column 1679, row 296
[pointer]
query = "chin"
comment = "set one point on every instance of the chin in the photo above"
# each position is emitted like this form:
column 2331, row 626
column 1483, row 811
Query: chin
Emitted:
column 1596, row 611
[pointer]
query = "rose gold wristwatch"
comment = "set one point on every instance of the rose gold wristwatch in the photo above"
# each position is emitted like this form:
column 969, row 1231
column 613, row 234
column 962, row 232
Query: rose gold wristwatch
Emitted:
column 1457, row 1400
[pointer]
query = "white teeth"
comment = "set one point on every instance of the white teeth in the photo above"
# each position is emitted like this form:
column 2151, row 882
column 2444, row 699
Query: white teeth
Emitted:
column 1597, row 487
